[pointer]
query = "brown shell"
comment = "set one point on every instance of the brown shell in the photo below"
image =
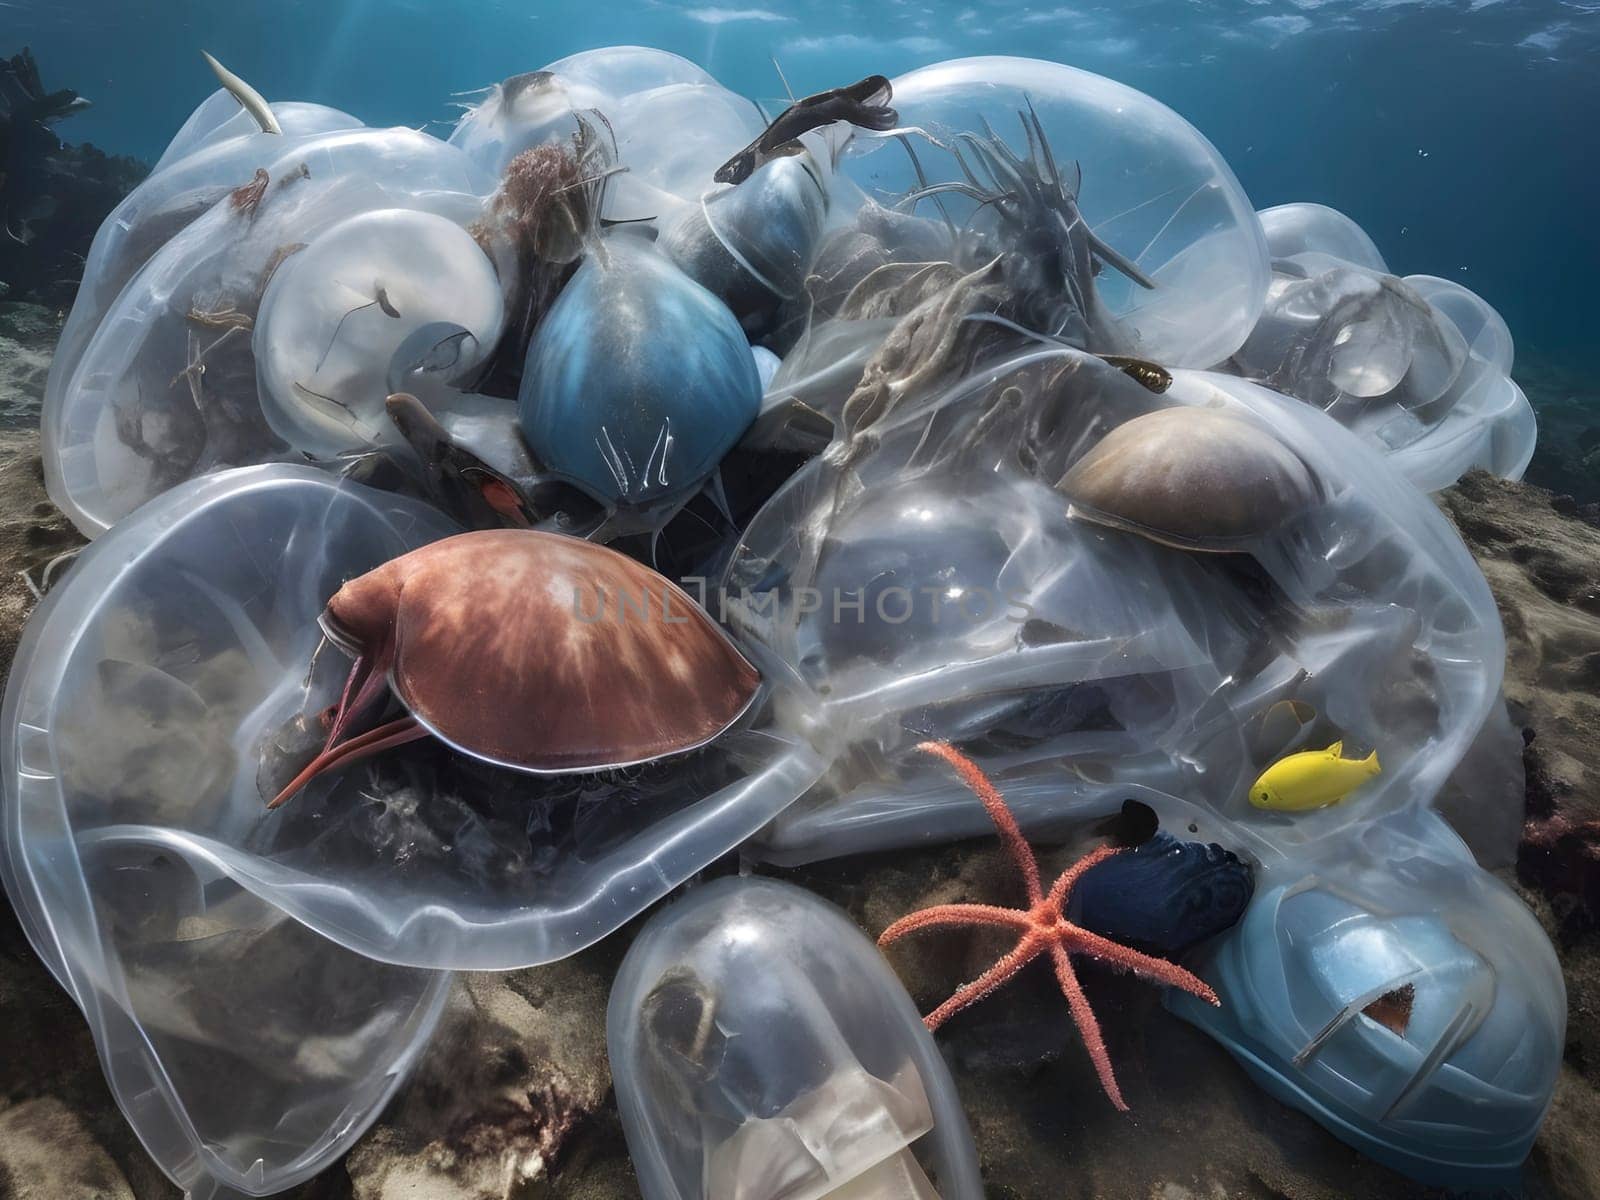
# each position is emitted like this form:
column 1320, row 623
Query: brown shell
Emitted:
column 516, row 646
column 1194, row 478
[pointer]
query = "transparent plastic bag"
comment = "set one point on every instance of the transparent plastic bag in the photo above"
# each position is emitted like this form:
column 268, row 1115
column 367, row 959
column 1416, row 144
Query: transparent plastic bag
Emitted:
column 763, row 1050
column 1151, row 189
column 123, row 722
column 1419, row 366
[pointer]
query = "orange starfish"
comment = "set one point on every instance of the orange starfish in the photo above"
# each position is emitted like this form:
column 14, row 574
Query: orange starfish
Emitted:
column 1044, row 929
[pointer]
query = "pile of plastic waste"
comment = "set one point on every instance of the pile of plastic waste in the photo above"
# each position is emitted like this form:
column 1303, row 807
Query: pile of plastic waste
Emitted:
column 977, row 406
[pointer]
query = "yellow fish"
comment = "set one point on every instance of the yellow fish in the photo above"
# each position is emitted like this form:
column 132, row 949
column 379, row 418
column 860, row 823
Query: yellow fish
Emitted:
column 1312, row 779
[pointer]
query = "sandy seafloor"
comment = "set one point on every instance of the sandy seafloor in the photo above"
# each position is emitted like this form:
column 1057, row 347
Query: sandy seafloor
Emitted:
column 513, row 1099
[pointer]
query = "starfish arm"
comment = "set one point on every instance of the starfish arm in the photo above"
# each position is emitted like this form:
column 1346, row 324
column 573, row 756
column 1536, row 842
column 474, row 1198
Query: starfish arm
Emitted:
column 1010, row 833
column 944, row 915
column 1063, row 886
column 986, row 984
column 1159, row 970
column 1088, row 1026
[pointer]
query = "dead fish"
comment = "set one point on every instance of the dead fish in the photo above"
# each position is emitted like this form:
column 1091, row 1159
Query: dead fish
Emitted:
column 865, row 104
column 249, row 99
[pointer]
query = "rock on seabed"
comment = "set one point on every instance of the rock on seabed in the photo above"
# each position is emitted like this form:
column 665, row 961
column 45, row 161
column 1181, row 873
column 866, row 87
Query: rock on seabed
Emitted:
column 1543, row 565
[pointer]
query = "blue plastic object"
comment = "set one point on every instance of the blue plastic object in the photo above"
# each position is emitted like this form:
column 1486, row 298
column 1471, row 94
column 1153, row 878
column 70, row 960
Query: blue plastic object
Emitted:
column 1413, row 1007
column 638, row 380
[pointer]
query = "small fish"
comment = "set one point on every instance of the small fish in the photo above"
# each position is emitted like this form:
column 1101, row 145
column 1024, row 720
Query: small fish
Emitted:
column 249, row 99
column 865, row 104
column 514, row 87
column 1312, row 779
column 460, row 478
column 1153, row 376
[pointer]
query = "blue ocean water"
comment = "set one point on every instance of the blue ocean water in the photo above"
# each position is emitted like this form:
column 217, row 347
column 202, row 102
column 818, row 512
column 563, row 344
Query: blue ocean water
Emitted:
column 1461, row 133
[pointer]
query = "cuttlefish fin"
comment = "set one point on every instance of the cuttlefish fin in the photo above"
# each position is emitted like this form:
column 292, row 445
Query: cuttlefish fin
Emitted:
column 249, row 99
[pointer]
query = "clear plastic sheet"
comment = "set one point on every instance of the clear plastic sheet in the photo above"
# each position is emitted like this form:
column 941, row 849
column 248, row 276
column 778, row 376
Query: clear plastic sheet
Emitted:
column 420, row 857
column 126, row 722
column 640, row 92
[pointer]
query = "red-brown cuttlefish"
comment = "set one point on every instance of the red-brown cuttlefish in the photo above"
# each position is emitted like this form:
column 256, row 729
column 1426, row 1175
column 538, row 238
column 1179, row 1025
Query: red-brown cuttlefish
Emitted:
column 531, row 650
